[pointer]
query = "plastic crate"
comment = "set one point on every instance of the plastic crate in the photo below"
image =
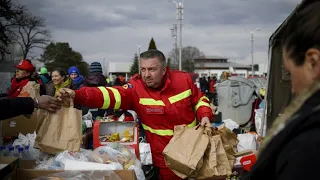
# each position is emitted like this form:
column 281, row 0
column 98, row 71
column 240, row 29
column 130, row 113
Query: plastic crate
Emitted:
column 102, row 128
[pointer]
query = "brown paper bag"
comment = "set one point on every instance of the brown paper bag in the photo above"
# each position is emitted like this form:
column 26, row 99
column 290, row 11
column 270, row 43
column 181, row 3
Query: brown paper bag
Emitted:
column 59, row 131
column 230, row 142
column 215, row 161
column 185, row 162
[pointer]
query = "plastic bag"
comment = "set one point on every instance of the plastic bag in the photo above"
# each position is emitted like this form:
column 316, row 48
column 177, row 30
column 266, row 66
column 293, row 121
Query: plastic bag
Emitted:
column 145, row 153
column 60, row 159
column 78, row 175
column 87, row 116
column 230, row 124
column 247, row 142
column 25, row 140
column 42, row 166
column 137, row 167
column 87, row 153
column 114, row 152
column 28, row 140
column 46, row 162
column 258, row 121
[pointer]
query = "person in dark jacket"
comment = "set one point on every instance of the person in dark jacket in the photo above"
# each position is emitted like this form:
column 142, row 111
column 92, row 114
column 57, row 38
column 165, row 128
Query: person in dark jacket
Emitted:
column 117, row 82
column 290, row 151
column 75, row 76
column 10, row 108
column 95, row 79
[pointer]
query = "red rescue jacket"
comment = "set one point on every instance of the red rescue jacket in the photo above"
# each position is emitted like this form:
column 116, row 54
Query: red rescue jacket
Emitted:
column 178, row 102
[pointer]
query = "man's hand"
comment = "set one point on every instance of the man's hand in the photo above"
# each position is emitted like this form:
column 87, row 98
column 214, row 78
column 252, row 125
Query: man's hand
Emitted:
column 205, row 121
column 65, row 94
column 48, row 103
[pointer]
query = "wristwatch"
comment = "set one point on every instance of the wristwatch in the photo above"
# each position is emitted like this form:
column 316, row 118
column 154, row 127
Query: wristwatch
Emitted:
column 36, row 103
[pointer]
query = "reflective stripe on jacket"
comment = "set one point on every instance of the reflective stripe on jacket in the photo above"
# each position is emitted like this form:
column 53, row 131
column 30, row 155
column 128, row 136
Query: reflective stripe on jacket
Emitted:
column 178, row 102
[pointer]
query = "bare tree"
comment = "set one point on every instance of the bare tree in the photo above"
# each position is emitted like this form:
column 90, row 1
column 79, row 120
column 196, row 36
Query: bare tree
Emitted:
column 31, row 33
column 189, row 53
column 9, row 11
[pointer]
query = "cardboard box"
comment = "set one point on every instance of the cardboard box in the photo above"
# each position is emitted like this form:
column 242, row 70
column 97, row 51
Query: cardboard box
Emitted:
column 102, row 128
column 19, row 124
column 8, row 166
column 26, row 172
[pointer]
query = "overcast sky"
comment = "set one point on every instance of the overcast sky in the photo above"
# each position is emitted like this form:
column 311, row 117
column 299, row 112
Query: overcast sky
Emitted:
column 113, row 28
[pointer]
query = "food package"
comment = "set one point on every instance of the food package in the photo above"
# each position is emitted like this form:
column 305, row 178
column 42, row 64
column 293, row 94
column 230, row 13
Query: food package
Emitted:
column 114, row 152
column 127, row 135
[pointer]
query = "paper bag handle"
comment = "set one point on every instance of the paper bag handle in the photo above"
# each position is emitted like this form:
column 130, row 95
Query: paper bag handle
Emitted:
column 198, row 126
column 211, row 130
column 71, row 103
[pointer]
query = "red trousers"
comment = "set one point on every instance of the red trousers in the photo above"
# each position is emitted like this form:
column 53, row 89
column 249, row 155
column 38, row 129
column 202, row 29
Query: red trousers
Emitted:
column 167, row 174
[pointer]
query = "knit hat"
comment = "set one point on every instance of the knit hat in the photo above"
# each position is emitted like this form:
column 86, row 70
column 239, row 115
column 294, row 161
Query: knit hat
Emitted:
column 95, row 67
column 43, row 70
column 73, row 69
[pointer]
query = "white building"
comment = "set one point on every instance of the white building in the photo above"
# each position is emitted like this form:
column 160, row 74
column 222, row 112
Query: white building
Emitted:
column 115, row 69
column 215, row 65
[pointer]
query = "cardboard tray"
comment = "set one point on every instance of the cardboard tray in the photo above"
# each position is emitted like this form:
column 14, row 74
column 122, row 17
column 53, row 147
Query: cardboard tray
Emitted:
column 26, row 172
column 8, row 167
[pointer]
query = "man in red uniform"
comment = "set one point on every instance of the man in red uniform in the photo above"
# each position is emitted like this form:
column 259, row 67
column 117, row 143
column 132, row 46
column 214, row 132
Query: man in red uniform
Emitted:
column 162, row 99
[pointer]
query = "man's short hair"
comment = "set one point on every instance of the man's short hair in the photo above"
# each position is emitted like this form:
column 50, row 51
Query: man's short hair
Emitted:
column 152, row 53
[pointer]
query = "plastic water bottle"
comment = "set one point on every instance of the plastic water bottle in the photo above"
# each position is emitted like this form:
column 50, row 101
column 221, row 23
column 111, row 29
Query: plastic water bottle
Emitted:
column 16, row 150
column 20, row 152
column 2, row 151
column 26, row 154
column 10, row 152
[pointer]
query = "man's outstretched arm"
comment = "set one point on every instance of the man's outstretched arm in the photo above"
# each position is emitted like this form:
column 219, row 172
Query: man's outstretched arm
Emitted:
column 10, row 108
column 104, row 97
